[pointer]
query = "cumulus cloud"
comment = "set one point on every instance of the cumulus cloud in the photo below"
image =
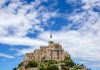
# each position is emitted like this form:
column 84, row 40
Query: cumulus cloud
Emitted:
column 18, row 18
column 21, row 41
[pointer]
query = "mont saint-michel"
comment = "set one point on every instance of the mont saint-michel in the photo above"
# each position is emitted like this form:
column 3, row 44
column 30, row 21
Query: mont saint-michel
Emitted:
column 53, row 51
column 51, row 57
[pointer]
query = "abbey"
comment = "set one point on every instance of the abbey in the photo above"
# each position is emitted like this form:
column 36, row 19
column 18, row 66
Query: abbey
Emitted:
column 53, row 51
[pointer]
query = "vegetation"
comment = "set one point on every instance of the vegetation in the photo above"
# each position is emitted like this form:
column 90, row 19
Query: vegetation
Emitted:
column 53, row 67
column 66, row 64
column 69, row 63
column 42, row 67
column 31, row 63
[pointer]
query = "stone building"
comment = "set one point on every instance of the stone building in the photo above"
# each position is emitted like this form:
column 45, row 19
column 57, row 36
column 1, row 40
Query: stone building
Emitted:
column 53, row 51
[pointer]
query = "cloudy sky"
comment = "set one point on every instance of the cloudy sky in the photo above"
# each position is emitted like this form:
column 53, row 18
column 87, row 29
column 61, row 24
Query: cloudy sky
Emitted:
column 26, row 24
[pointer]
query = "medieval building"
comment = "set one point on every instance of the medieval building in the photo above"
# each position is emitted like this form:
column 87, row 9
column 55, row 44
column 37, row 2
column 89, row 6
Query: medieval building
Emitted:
column 53, row 51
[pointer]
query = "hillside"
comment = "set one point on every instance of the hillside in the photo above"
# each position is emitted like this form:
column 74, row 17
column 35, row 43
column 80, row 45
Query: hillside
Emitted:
column 66, row 64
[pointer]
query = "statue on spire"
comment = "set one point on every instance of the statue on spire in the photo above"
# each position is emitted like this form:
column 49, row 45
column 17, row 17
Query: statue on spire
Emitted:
column 51, row 36
column 51, row 41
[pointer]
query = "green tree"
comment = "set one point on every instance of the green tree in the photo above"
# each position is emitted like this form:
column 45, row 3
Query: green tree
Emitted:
column 77, row 66
column 69, row 63
column 31, row 63
column 52, row 62
column 42, row 67
column 67, row 58
column 53, row 67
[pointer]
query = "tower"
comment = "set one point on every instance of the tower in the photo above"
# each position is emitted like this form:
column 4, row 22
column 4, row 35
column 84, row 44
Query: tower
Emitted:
column 50, row 41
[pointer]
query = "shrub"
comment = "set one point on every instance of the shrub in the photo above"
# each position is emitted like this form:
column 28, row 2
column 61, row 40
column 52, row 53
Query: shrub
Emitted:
column 69, row 63
column 52, row 62
column 31, row 63
column 53, row 67
column 42, row 68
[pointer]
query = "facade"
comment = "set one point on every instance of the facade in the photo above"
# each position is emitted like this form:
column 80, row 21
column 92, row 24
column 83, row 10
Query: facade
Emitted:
column 53, row 51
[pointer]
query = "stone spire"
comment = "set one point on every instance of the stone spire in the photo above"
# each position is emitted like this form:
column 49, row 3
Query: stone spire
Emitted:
column 51, row 36
column 51, row 41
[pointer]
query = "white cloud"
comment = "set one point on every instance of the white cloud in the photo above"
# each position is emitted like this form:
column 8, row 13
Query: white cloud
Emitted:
column 22, row 41
column 6, row 55
column 18, row 18
column 25, row 41
column 96, row 65
column 23, row 51
column 19, row 22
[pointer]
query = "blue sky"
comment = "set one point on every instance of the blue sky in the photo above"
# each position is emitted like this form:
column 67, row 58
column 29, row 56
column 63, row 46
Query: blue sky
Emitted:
column 26, row 24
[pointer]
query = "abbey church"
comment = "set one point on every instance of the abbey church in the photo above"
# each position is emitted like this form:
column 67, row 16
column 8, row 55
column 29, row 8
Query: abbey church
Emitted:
column 53, row 51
